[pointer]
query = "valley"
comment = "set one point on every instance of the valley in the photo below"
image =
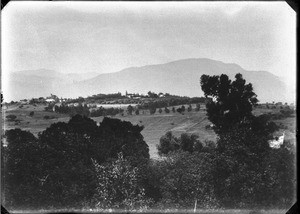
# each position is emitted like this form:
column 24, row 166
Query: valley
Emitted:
column 155, row 126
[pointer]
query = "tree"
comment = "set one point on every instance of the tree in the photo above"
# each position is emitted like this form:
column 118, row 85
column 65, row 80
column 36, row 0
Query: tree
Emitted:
column 137, row 112
column 167, row 110
column 189, row 142
column 183, row 108
column 232, row 101
column 173, row 109
column 21, row 158
column 243, row 171
column 169, row 143
column 130, row 109
column 197, row 107
column 122, row 136
column 152, row 94
column 184, row 178
column 179, row 110
column 56, row 170
column 152, row 110
column 190, row 108
column 118, row 187
column 280, row 177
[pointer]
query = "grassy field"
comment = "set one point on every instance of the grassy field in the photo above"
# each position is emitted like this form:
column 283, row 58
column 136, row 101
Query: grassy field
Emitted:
column 154, row 125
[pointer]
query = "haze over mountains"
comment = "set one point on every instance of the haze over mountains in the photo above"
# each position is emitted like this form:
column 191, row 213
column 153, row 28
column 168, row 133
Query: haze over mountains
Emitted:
column 178, row 77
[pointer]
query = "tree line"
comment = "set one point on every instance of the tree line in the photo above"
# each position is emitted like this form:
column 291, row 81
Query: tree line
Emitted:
column 84, row 110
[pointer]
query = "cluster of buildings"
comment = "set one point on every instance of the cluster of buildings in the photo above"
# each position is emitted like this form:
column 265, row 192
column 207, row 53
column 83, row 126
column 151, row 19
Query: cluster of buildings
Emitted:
column 50, row 99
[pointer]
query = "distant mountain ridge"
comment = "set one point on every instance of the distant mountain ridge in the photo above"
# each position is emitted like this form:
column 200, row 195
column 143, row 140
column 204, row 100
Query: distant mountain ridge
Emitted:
column 179, row 77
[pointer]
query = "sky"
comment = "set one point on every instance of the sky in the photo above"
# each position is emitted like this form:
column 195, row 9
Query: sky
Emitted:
column 103, row 37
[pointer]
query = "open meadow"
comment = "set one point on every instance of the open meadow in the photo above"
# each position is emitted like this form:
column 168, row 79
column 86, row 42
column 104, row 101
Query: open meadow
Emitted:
column 155, row 126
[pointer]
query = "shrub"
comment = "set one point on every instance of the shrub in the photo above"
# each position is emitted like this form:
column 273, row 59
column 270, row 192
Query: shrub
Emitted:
column 179, row 110
column 118, row 187
column 31, row 113
column 184, row 178
column 152, row 110
column 185, row 142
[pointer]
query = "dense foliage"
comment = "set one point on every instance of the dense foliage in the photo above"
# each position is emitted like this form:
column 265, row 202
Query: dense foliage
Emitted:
column 171, row 101
column 245, row 173
column 187, row 143
column 106, row 112
column 56, row 169
column 101, row 97
column 232, row 101
column 184, row 178
column 70, row 110
column 118, row 186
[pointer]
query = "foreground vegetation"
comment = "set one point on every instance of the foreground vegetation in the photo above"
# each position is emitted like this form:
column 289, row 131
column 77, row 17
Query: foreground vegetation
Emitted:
column 80, row 163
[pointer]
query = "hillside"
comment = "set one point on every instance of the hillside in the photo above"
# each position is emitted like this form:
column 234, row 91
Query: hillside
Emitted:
column 182, row 78
column 155, row 125
column 179, row 77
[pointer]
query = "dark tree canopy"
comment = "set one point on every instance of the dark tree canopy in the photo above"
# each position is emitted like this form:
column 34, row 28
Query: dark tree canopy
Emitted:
column 130, row 109
column 56, row 169
column 232, row 101
column 188, row 143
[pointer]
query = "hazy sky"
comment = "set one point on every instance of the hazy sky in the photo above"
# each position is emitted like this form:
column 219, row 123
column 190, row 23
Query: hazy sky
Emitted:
column 107, row 37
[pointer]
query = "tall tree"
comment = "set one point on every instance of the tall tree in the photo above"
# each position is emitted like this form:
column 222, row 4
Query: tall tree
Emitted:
column 232, row 101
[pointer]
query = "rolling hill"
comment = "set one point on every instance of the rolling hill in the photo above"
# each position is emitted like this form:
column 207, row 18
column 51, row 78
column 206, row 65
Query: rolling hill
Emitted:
column 178, row 77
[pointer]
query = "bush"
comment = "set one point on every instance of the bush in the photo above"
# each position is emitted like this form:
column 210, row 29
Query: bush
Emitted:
column 167, row 143
column 184, row 178
column 187, row 143
column 118, row 187
column 31, row 113
column 179, row 110
column 152, row 110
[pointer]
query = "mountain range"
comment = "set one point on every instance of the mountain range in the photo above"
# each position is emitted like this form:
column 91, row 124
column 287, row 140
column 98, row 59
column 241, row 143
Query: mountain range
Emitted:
column 180, row 77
